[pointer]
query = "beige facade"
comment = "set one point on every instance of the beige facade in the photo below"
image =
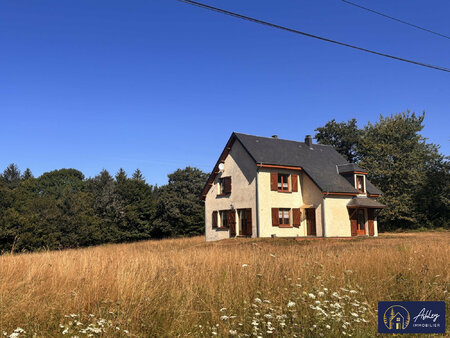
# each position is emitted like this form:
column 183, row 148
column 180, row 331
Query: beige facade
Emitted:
column 251, row 189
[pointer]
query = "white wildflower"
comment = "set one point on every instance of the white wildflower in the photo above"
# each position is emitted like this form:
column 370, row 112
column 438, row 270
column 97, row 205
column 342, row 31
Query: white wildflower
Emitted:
column 223, row 317
column 354, row 314
column 268, row 315
column 290, row 304
column 233, row 332
column 255, row 323
column 320, row 294
column 353, row 291
column 310, row 295
column 258, row 300
column 328, row 327
column 126, row 331
column 223, row 309
column 335, row 294
column 244, row 265
column 266, row 301
column 66, row 331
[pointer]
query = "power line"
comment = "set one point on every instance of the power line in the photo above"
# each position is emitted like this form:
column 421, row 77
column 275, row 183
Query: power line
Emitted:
column 395, row 19
column 240, row 16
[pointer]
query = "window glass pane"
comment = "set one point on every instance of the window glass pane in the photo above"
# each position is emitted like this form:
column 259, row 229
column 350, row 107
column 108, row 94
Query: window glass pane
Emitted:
column 286, row 213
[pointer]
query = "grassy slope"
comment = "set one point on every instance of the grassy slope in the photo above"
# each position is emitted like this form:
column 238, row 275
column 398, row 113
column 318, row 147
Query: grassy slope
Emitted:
column 178, row 287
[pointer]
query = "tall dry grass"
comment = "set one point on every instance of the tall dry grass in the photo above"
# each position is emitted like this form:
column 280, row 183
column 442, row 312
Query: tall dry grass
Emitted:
column 186, row 287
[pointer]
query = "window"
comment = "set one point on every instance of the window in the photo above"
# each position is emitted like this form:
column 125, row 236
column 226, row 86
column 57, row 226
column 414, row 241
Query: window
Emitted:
column 360, row 183
column 224, row 185
column 283, row 217
column 283, row 184
column 223, row 218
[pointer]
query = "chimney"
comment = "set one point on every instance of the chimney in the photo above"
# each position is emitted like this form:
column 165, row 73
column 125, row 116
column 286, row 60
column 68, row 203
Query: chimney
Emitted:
column 308, row 140
column 274, row 136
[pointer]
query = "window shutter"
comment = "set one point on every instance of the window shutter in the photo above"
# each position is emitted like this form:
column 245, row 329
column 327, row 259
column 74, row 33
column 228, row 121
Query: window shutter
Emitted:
column 228, row 185
column 231, row 214
column 274, row 181
column 296, row 217
column 294, row 179
column 214, row 219
column 275, row 219
column 371, row 217
column 232, row 222
column 249, row 221
column 353, row 222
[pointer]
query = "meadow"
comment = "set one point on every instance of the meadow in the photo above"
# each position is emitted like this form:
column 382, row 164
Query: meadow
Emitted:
column 237, row 287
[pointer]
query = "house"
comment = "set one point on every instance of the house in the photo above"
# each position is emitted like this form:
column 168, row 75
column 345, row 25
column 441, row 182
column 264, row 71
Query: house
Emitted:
column 267, row 187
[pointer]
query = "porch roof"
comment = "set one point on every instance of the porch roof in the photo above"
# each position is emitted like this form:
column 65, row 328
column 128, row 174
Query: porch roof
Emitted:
column 364, row 202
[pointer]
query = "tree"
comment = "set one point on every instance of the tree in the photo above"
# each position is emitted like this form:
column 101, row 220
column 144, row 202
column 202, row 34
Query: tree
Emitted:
column 179, row 210
column 137, row 175
column 27, row 174
column 397, row 157
column 343, row 136
column 11, row 175
column 121, row 176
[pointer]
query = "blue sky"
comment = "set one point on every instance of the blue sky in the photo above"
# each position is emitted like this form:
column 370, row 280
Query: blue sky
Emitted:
column 160, row 85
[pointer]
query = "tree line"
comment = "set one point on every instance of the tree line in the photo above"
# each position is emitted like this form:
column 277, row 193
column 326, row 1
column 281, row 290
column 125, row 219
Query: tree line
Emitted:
column 63, row 209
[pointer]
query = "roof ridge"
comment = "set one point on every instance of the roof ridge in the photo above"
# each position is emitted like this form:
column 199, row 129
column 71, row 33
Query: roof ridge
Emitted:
column 281, row 139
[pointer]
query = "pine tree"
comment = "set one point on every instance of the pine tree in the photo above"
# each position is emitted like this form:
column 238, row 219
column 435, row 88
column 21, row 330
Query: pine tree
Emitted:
column 27, row 174
column 137, row 175
column 11, row 176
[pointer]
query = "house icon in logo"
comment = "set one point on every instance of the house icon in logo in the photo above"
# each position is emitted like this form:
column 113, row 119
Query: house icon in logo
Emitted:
column 396, row 318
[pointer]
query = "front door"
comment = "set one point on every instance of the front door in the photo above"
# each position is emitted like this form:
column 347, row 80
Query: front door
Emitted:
column 311, row 221
column 361, row 225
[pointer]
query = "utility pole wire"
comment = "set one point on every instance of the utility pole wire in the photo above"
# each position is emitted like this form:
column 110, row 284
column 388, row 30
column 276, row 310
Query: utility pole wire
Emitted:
column 395, row 19
column 240, row 16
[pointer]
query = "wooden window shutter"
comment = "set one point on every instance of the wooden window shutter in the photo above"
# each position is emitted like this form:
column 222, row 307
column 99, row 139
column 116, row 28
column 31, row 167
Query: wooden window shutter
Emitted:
column 214, row 219
column 274, row 182
column 371, row 217
column 353, row 222
column 232, row 222
column 249, row 221
column 228, row 185
column 294, row 179
column 231, row 214
column 275, row 217
column 296, row 217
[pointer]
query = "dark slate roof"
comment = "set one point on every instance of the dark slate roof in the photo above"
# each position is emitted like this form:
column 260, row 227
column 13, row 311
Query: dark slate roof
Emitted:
column 318, row 161
column 364, row 202
column 349, row 167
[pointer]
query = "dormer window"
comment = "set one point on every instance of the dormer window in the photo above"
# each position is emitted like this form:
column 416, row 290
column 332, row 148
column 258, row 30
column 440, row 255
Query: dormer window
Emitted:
column 360, row 183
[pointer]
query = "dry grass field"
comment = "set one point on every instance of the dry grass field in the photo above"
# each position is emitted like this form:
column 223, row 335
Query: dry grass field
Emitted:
column 242, row 287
